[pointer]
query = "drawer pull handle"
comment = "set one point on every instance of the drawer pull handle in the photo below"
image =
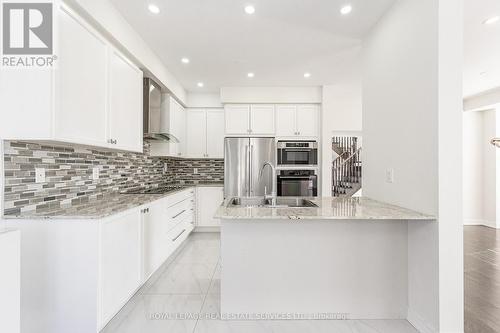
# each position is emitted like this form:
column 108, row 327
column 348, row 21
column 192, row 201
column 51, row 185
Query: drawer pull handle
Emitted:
column 179, row 214
column 179, row 235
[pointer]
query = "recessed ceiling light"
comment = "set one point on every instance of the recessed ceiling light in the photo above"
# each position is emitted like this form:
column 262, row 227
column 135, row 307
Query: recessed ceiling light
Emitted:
column 346, row 9
column 492, row 20
column 154, row 9
column 185, row 60
column 200, row 84
column 307, row 75
column 250, row 74
column 249, row 9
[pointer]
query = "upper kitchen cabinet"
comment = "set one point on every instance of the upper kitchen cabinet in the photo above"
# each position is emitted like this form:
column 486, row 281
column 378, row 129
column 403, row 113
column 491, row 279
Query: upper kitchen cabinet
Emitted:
column 237, row 119
column 215, row 133
column 205, row 133
column 81, row 83
column 173, row 122
column 93, row 96
column 250, row 120
column 125, row 103
column 297, row 120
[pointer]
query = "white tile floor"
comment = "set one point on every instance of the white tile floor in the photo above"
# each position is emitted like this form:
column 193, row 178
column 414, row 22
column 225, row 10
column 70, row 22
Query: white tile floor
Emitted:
column 191, row 285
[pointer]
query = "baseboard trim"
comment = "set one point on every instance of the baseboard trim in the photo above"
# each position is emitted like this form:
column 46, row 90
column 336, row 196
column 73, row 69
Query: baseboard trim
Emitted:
column 207, row 229
column 419, row 323
column 486, row 223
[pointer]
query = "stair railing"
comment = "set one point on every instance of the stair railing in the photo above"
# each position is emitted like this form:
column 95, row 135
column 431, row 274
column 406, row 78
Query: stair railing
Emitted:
column 345, row 172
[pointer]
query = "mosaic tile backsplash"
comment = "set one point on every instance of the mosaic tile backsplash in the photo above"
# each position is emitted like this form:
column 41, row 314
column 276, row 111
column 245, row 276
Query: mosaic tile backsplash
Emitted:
column 68, row 172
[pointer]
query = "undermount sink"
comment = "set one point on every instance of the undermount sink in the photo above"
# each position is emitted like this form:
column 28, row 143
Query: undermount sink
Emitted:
column 280, row 203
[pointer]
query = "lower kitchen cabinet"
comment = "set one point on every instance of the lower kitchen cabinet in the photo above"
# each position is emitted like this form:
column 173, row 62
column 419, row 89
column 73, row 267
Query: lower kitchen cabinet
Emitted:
column 120, row 261
column 76, row 274
column 208, row 200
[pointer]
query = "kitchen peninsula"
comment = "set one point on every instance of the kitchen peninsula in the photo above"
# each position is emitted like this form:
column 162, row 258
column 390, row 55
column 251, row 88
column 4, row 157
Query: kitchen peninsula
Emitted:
column 342, row 257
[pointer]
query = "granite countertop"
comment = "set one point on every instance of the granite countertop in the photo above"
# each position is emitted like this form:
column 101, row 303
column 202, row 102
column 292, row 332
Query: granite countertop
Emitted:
column 104, row 206
column 358, row 208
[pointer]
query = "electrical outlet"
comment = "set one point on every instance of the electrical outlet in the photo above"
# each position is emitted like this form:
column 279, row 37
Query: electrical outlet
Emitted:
column 389, row 176
column 165, row 168
column 95, row 173
column 39, row 175
column 195, row 171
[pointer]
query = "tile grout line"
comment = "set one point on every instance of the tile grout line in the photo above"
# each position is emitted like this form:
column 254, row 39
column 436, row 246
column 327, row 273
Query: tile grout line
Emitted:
column 206, row 295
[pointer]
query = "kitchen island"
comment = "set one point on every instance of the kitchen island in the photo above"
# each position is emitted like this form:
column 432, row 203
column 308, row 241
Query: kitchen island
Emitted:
column 347, row 258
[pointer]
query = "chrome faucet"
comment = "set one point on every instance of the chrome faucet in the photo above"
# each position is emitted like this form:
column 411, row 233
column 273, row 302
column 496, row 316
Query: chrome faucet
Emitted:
column 272, row 195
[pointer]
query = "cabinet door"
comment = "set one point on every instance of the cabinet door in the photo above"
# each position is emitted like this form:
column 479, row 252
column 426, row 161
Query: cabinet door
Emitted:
column 196, row 133
column 285, row 120
column 125, row 105
column 308, row 120
column 81, row 83
column 120, row 262
column 262, row 120
column 155, row 223
column 208, row 201
column 237, row 119
column 215, row 133
column 178, row 126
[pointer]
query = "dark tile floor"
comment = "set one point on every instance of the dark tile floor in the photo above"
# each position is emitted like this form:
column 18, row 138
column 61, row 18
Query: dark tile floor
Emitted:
column 482, row 279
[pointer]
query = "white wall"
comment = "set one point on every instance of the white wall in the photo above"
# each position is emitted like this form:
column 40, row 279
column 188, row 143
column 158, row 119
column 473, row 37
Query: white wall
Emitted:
column 341, row 115
column 481, row 162
column 489, row 167
column 412, row 124
column 473, row 167
column 270, row 95
column 109, row 20
column 203, row 100
column 483, row 100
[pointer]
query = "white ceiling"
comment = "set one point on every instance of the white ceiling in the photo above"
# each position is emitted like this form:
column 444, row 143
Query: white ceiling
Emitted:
column 481, row 47
column 279, row 43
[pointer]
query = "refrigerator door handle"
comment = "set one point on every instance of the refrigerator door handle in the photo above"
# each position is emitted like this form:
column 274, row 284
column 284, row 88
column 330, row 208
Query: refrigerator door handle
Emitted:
column 251, row 171
column 246, row 190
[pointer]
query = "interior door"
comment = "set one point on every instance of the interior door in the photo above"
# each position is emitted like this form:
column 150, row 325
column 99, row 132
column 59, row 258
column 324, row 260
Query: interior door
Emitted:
column 262, row 150
column 236, row 160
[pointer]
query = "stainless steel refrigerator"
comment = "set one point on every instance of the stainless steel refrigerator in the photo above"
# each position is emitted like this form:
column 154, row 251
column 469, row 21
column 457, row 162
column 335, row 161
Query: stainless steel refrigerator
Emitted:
column 243, row 160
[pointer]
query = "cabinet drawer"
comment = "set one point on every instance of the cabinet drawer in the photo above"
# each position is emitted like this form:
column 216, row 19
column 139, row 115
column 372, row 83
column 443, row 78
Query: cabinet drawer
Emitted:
column 180, row 196
column 179, row 233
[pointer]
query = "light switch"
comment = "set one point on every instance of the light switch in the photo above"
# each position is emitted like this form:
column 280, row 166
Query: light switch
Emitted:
column 195, row 171
column 95, row 173
column 39, row 175
column 389, row 176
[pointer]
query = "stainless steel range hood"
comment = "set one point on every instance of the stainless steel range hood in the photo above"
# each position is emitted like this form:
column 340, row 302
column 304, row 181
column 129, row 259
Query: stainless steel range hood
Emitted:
column 152, row 113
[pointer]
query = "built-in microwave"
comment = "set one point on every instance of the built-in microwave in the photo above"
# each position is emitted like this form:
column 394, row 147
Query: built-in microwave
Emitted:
column 297, row 153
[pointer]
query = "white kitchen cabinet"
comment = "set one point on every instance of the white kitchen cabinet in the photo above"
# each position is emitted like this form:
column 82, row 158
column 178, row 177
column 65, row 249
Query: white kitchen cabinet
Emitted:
column 285, row 120
column 196, row 133
column 205, row 133
column 154, row 227
column 125, row 103
column 249, row 120
column 297, row 121
column 93, row 97
column 81, row 82
column 307, row 120
column 173, row 121
column 120, row 264
column 262, row 119
column 208, row 201
column 237, row 119
column 215, row 133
